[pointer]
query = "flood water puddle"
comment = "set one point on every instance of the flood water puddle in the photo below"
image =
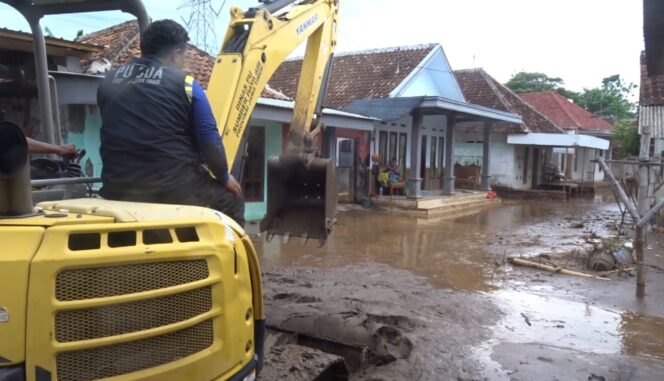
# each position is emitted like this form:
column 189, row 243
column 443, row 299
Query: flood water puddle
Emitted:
column 542, row 319
column 534, row 320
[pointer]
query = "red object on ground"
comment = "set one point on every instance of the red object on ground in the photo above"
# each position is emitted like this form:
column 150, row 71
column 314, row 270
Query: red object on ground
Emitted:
column 491, row 195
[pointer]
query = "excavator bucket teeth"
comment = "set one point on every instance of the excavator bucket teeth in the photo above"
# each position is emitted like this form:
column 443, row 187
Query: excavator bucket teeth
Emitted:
column 302, row 197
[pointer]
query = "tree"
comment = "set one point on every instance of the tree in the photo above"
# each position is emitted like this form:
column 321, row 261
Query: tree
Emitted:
column 610, row 100
column 626, row 137
column 526, row 82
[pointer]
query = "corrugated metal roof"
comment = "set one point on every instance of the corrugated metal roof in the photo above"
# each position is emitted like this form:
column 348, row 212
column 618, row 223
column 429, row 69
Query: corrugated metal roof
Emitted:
column 652, row 116
column 289, row 105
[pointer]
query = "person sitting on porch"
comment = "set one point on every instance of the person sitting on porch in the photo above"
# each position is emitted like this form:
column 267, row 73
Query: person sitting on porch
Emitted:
column 383, row 178
column 394, row 173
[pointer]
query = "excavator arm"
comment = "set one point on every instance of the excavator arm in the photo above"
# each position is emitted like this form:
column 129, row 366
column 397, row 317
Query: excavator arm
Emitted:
column 302, row 193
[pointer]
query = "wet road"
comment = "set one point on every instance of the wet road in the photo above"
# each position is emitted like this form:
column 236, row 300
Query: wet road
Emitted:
column 455, row 253
column 466, row 254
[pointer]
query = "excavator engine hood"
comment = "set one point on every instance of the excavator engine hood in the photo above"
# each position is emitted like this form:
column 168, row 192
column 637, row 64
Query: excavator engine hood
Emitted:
column 302, row 197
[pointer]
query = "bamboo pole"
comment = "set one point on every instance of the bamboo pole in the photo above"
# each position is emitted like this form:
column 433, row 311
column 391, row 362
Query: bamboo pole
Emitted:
column 619, row 190
column 650, row 214
column 523, row 262
column 642, row 209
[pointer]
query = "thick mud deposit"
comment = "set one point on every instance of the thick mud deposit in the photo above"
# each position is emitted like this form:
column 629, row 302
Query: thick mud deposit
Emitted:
column 413, row 299
column 388, row 324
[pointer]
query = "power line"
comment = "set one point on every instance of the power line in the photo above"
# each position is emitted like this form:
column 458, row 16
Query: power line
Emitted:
column 202, row 21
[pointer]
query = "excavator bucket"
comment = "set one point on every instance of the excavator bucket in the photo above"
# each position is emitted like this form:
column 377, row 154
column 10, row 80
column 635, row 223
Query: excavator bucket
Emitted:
column 302, row 198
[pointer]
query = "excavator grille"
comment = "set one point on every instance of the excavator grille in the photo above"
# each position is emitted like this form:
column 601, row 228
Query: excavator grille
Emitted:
column 118, row 319
column 115, row 360
column 101, row 282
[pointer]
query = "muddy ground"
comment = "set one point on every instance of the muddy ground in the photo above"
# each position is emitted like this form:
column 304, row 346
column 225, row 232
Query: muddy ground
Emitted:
column 411, row 299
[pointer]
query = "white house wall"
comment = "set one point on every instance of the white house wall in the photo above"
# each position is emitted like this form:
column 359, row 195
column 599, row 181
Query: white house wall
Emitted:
column 520, row 153
column 503, row 161
column 586, row 170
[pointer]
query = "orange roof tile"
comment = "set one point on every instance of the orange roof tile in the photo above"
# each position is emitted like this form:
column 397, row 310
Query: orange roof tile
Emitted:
column 564, row 113
column 358, row 75
column 480, row 88
column 122, row 44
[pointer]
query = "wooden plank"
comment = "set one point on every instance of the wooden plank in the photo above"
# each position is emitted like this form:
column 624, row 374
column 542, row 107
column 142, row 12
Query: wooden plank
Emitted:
column 523, row 262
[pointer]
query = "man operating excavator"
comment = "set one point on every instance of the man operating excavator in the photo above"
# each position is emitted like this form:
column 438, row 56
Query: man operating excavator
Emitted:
column 157, row 124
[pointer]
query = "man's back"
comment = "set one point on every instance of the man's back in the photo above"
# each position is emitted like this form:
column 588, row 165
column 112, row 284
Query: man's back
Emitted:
column 146, row 137
column 157, row 128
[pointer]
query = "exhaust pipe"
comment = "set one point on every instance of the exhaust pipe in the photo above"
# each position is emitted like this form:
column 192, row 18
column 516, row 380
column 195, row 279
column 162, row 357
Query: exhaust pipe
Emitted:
column 15, row 192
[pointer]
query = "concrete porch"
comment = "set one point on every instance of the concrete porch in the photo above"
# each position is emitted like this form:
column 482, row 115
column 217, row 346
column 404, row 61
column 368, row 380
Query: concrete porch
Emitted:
column 436, row 205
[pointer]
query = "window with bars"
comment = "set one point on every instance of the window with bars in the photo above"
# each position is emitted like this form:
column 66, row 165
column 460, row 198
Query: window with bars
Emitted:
column 253, row 179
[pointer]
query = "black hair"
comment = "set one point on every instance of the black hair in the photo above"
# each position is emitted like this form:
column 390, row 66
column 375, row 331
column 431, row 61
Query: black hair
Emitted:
column 163, row 36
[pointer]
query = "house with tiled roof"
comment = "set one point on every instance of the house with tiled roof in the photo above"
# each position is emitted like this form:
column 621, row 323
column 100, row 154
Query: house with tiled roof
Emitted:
column 376, row 73
column 411, row 85
column 413, row 93
column 549, row 146
column 574, row 119
column 513, row 166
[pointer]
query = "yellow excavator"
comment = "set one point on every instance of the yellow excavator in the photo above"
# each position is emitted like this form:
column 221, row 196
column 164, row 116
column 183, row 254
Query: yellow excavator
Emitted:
column 94, row 289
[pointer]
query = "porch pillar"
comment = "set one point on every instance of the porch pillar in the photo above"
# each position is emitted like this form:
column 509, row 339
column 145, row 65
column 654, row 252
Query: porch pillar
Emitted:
column 486, row 158
column 414, row 179
column 448, row 179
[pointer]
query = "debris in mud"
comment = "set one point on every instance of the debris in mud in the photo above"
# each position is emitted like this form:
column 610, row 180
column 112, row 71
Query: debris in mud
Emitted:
column 386, row 324
column 299, row 363
column 553, row 269
column 578, row 225
column 525, row 317
column 603, row 256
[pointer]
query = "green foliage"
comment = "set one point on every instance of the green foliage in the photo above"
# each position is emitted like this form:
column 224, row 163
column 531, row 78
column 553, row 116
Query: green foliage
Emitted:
column 525, row 82
column 48, row 32
column 609, row 100
column 79, row 33
column 626, row 137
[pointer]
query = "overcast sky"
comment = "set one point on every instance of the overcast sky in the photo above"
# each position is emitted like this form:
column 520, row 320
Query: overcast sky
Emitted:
column 581, row 41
